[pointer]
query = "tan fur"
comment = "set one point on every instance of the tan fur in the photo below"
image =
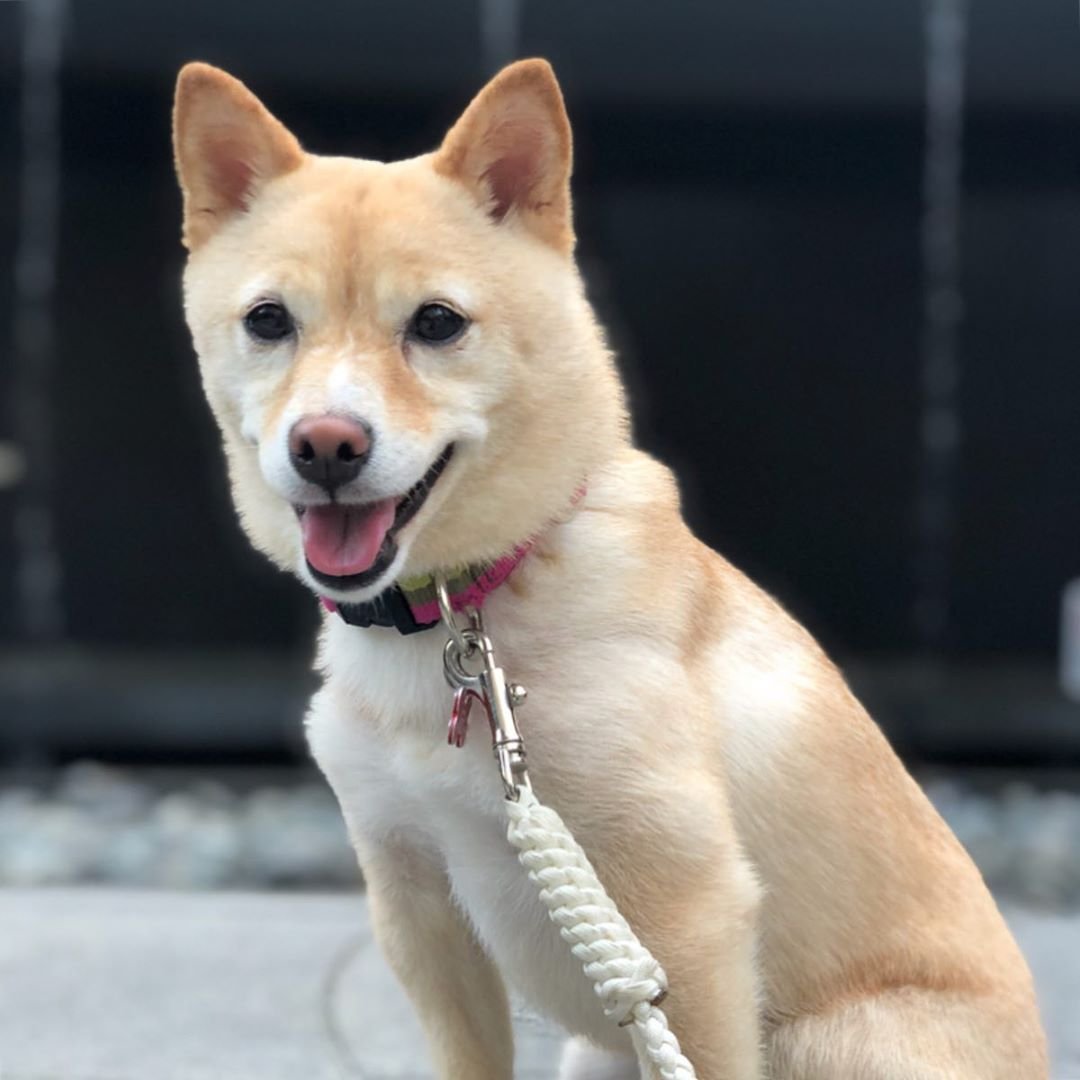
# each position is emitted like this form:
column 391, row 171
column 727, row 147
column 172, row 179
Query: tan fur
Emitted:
column 817, row 919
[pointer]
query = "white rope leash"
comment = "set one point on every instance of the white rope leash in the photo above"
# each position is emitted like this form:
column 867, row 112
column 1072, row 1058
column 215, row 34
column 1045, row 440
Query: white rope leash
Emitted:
column 626, row 977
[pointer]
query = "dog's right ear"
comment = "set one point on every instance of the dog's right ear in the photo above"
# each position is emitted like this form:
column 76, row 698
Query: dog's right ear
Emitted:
column 226, row 145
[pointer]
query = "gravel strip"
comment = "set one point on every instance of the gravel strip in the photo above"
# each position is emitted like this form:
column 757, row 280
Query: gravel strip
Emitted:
column 105, row 825
column 94, row 823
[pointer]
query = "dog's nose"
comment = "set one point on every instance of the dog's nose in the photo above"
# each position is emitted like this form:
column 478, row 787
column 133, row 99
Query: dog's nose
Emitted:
column 329, row 450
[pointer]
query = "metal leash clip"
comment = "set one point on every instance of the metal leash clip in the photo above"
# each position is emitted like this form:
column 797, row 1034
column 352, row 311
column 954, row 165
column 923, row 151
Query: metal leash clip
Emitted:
column 474, row 675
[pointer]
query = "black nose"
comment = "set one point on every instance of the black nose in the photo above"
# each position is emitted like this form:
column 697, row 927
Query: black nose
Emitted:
column 329, row 450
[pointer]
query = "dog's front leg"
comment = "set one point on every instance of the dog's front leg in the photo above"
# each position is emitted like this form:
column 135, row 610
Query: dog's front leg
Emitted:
column 450, row 980
column 703, row 934
column 678, row 876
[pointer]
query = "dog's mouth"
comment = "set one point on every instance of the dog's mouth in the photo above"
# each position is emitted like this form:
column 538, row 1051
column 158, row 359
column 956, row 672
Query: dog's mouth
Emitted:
column 348, row 547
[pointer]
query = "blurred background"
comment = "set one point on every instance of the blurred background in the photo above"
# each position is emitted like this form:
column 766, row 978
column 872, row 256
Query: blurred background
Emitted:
column 837, row 247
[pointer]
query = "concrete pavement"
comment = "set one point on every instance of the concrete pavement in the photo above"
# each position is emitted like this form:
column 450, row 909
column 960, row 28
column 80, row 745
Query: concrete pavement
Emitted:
column 135, row 985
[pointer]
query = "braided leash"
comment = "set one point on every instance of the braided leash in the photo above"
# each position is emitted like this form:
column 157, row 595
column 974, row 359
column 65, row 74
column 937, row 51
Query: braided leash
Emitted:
column 626, row 977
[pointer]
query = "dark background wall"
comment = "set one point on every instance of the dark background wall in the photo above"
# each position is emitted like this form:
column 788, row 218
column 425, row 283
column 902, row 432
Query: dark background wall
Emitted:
column 749, row 206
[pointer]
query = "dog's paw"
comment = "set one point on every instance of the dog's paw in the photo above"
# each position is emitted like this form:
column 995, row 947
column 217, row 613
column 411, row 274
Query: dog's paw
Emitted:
column 581, row 1060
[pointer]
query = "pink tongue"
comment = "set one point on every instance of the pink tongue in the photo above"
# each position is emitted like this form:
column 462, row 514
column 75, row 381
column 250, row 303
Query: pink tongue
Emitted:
column 343, row 540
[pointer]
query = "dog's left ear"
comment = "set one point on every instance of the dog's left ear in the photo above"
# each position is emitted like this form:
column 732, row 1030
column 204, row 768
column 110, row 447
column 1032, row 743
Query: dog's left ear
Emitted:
column 512, row 148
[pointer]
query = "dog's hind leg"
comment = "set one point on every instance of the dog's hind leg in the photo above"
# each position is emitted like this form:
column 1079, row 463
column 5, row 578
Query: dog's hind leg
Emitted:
column 910, row 1034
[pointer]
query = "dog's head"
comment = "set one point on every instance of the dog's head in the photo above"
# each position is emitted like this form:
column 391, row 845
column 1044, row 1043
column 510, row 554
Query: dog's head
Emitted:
column 400, row 356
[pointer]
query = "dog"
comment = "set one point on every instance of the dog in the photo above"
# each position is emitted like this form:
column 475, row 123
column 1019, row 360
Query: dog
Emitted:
column 411, row 385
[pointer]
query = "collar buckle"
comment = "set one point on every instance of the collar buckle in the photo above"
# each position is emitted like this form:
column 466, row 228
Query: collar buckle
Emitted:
column 390, row 608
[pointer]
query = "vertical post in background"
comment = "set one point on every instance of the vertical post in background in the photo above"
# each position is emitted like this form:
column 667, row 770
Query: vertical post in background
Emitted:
column 946, row 25
column 39, row 605
column 499, row 32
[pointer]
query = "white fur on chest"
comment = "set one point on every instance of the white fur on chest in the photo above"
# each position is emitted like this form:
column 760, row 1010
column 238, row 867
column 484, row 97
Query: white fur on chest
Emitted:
column 398, row 775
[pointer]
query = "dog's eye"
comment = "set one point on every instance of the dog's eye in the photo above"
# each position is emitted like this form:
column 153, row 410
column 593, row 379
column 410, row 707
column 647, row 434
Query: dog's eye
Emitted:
column 436, row 324
column 269, row 321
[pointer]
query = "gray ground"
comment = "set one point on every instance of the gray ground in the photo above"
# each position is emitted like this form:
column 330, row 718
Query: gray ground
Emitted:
column 111, row 984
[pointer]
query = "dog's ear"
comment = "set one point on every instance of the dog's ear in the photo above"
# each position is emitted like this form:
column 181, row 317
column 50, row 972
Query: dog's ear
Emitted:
column 512, row 148
column 226, row 145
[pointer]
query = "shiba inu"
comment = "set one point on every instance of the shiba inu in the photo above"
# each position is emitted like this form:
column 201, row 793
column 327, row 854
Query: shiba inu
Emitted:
column 410, row 381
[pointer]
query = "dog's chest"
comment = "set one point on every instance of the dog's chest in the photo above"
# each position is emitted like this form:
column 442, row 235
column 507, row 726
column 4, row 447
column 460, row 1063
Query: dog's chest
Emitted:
column 405, row 779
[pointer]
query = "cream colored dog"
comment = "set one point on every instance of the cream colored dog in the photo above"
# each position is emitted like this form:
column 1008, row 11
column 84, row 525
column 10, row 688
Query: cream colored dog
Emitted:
column 409, row 380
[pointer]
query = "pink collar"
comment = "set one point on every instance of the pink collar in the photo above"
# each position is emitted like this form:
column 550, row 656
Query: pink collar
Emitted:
column 411, row 605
